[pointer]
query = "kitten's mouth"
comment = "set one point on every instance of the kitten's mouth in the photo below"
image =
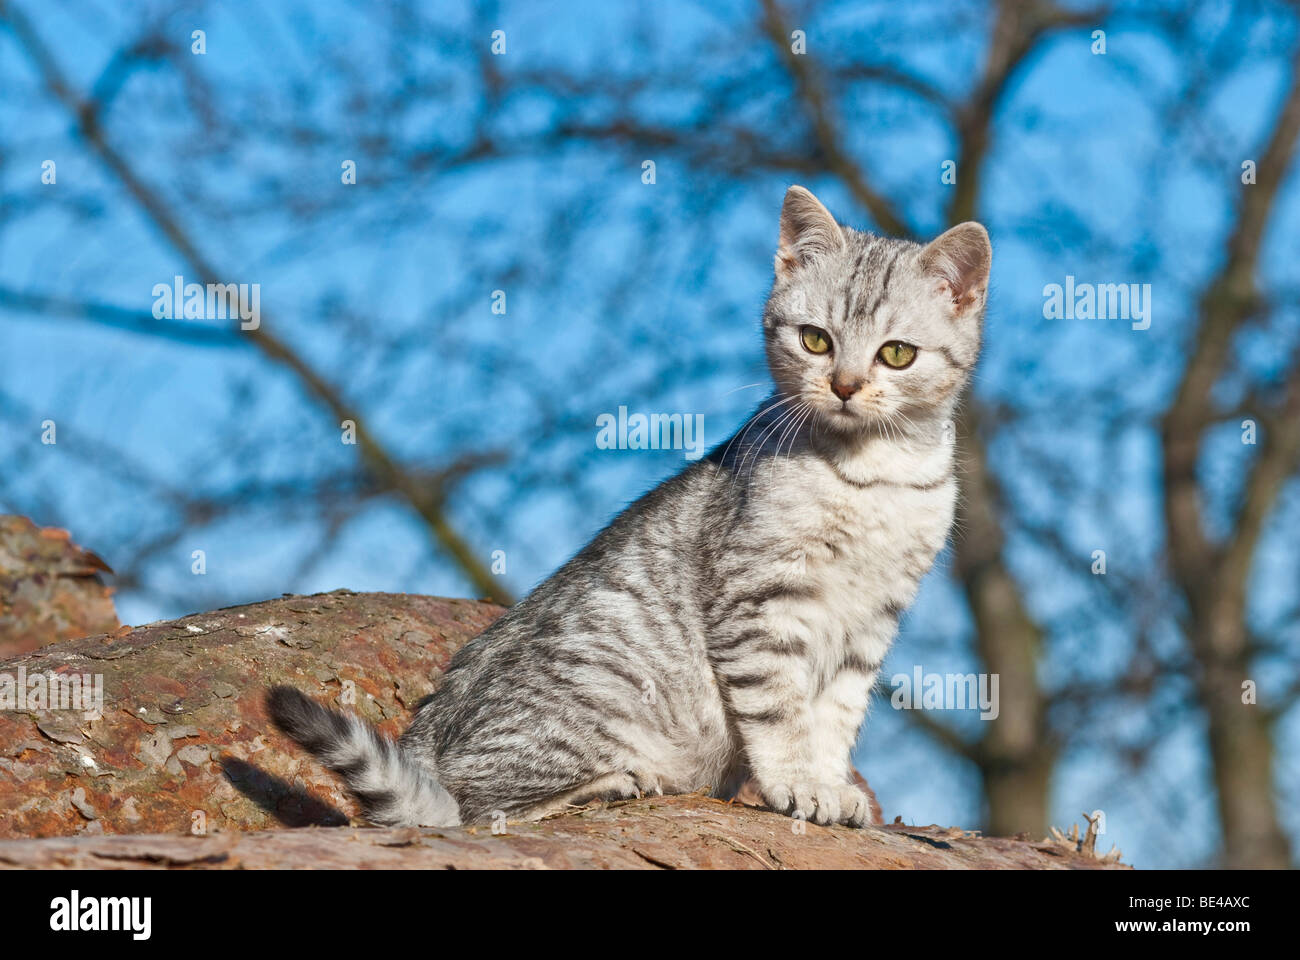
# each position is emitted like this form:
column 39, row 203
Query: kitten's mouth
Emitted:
column 844, row 418
column 837, row 408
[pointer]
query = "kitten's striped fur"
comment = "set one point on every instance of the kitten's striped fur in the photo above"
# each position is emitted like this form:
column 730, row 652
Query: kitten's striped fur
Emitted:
column 731, row 622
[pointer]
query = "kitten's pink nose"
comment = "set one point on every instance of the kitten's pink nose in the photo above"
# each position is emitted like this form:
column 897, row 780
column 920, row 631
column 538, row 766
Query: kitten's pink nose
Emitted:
column 845, row 388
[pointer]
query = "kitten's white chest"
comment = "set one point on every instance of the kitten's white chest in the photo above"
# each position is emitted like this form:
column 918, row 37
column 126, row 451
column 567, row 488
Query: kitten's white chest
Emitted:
column 870, row 540
column 861, row 552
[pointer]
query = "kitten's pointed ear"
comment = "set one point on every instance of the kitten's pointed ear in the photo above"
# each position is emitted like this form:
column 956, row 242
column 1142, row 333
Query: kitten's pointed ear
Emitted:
column 960, row 259
column 807, row 230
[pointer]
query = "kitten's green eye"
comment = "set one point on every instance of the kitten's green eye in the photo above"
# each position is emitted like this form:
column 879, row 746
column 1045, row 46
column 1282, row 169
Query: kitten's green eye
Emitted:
column 815, row 339
column 897, row 354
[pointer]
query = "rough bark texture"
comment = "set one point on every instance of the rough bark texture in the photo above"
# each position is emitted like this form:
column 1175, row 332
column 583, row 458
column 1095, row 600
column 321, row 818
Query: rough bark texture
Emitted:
column 661, row 833
column 49, row 588
column 183, row 739
column 182, row 764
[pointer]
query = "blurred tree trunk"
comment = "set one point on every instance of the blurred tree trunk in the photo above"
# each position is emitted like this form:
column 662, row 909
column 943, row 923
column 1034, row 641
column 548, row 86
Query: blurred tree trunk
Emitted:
column 1016, row 756
column 1213, row 577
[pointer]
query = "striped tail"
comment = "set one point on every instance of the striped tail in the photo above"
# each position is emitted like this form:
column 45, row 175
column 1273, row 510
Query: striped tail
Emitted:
column 394, row 791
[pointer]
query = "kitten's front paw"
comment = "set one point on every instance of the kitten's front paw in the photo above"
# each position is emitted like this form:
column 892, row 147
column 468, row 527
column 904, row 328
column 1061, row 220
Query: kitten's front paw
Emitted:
column 824, row 804
column 800, row 800
column 854, row 808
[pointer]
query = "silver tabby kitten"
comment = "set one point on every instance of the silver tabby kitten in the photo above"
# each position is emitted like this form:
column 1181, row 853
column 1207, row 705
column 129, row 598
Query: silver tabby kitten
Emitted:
column 731, row 622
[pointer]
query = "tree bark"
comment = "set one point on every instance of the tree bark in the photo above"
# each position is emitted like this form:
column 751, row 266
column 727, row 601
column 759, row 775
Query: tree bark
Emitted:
column 49, row 588
column 180, row 766
column 670, row 833
column 182, row 741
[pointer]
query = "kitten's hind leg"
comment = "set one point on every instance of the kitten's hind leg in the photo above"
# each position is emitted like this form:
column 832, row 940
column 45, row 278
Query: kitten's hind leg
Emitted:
column 647, row 783
column 610, row 786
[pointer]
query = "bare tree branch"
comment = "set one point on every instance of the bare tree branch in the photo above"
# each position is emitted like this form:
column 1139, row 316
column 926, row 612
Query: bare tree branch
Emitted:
column 378, row 459
column 825, row 129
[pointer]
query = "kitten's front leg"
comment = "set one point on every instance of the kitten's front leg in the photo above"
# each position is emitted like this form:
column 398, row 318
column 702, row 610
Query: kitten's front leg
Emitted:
column 837, row 714
column 766, row 683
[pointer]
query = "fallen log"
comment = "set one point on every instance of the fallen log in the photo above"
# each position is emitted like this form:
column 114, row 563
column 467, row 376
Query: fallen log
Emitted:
column 180, row 741
column 177, row 763
column 683, row 832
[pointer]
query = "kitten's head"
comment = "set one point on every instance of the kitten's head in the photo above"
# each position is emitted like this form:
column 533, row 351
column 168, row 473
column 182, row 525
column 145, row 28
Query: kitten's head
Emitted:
column 873, row 333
